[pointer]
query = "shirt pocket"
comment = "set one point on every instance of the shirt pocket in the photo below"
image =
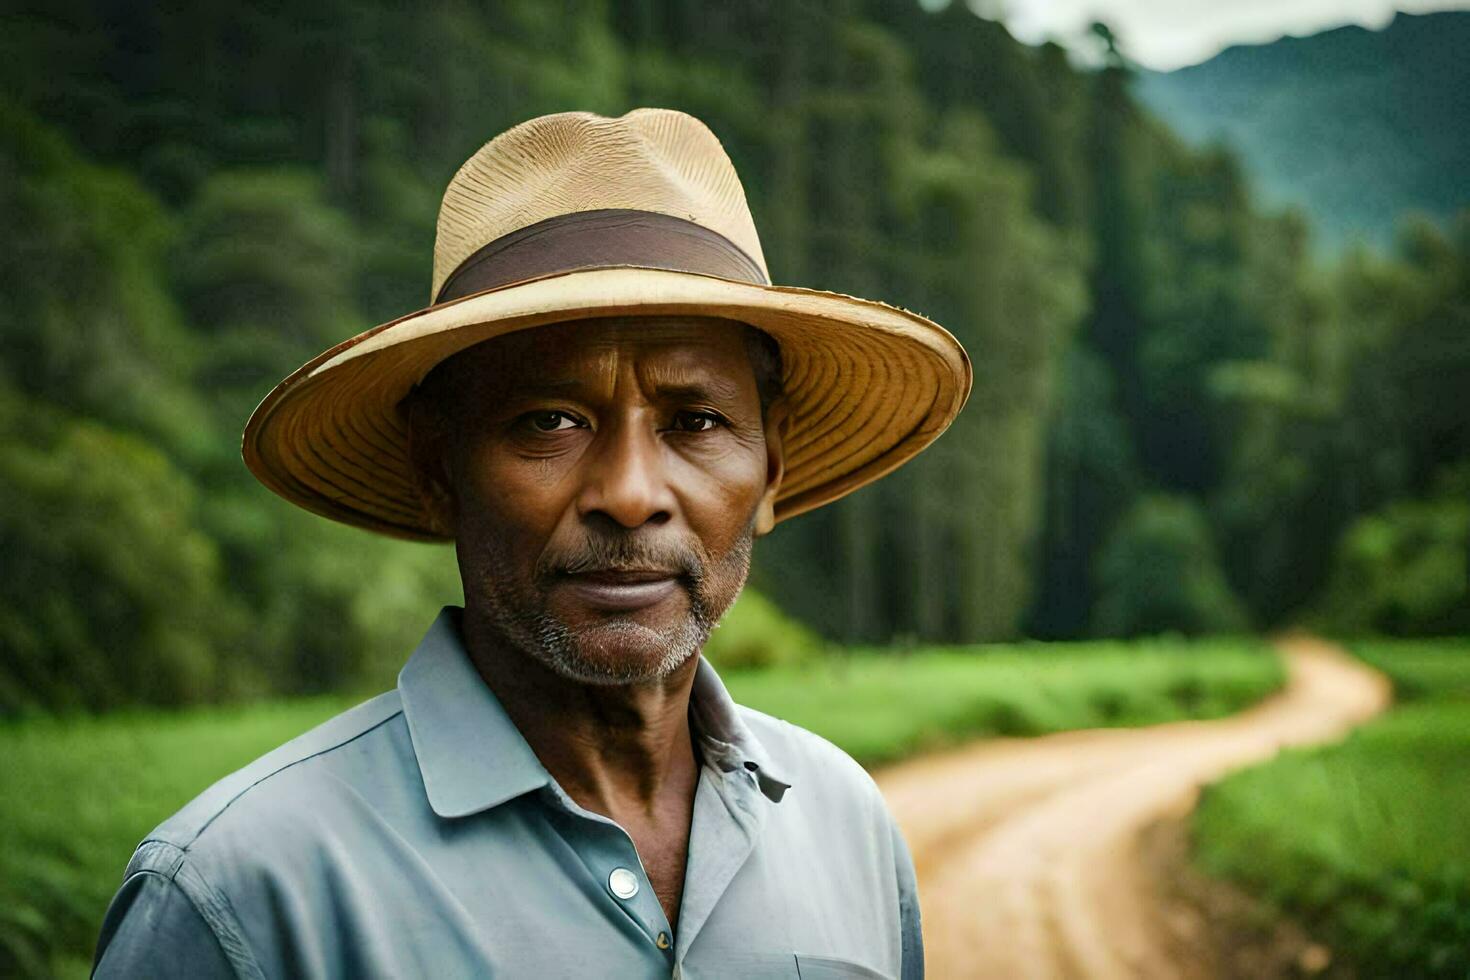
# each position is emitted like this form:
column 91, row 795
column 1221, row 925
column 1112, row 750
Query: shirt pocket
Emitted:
column 810, row 966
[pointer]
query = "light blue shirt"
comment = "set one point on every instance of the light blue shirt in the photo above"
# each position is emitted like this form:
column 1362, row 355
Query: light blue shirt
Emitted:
column 418, row 835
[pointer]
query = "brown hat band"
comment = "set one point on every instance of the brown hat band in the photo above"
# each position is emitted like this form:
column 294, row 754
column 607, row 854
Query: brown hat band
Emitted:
column 603, row 237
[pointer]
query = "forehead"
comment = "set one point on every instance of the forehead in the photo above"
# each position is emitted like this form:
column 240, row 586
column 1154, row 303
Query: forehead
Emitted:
column 674, row 350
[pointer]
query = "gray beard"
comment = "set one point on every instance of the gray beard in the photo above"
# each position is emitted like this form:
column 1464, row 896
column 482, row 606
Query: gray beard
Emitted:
column 618, row 651
column 562, row 650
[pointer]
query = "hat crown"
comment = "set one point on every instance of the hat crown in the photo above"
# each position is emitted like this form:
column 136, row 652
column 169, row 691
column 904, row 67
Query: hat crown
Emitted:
column 658, row 160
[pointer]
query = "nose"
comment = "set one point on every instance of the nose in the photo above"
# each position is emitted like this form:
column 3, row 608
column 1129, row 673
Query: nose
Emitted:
column 625, row 478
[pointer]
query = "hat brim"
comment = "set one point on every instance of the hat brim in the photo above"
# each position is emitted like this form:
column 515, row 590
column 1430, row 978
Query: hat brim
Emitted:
column 869, row 385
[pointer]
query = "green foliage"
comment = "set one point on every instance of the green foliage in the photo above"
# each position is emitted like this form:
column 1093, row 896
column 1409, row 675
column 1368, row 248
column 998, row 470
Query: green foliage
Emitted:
column 1366, row 842
column 1403, row 570
column 80, row 793
column 88, row 323
column 755, row 633
column 265, row 250
column 1422, row 670
column 109, row 592
column 332, row 608
column 136, row 548
column 879, row 707
column 1091, row 475
column 1357, row 406
column 204, row 198
column 264, row 269
column 1158, row 572
column 1207, row 305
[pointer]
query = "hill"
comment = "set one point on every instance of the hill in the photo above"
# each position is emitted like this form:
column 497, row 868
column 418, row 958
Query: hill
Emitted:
column 1356, row 126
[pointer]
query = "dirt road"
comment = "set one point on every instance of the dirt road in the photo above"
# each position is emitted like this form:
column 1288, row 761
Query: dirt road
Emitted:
column 1027, row 850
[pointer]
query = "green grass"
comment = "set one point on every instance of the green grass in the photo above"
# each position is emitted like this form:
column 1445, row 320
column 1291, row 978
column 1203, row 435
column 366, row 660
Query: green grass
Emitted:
column 1422, row 669
column 79, row 794
column 1366, row 842
column 881, row 707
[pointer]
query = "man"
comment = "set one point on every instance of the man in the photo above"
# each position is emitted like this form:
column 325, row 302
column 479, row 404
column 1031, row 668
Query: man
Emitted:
column 604, row 405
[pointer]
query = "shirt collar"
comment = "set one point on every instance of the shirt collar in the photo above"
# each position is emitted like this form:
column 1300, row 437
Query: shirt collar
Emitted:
column 723, row 734
column 472, row 756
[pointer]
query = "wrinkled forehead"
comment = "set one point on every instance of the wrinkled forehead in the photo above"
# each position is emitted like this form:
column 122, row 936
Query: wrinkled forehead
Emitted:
column 673, row 351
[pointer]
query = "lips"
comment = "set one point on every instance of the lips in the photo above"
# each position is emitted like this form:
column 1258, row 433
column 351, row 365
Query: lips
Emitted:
column 621, row 590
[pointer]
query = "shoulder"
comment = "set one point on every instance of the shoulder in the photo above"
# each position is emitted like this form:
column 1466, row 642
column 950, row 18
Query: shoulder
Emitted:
column 289, row 778
column 191, row 880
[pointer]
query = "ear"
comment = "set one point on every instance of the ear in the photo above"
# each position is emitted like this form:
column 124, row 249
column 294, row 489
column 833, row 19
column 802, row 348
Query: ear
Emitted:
column 428, row 453
column 777, row 416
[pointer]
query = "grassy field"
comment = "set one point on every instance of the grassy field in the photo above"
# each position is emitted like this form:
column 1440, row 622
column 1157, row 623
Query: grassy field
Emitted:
column 882, row 707
column 78, row 795
column 1366, row 842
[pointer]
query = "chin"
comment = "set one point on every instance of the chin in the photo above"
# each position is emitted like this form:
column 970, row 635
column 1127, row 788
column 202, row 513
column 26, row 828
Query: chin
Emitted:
column 621, row 651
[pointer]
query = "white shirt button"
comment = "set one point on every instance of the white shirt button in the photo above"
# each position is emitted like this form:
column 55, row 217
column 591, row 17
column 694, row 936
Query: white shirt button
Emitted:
column 623, row 883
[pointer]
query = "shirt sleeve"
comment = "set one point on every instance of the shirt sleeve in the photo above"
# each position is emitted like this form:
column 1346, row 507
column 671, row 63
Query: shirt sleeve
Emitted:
column 908, row 907
column 153, row 930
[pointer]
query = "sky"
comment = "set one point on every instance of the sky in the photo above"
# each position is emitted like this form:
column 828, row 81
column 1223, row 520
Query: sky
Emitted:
column 1167, row 34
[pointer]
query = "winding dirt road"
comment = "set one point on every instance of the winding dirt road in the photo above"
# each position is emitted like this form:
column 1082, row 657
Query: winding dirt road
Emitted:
column 1027, row 850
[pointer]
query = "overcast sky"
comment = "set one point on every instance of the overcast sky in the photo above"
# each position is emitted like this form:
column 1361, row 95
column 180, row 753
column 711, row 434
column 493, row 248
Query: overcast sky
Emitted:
column 1168, row 34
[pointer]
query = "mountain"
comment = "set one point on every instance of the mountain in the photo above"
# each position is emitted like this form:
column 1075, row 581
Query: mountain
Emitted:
column 1356, row 126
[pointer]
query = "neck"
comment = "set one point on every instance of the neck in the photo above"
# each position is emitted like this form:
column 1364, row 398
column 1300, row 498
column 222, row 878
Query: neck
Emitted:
column 617, row 749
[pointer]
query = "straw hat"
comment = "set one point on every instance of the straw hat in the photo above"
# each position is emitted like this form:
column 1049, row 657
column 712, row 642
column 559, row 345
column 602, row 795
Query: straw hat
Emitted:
column 576, row 215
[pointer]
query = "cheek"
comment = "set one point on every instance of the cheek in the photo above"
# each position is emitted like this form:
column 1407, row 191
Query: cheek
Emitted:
column 720, row 495
column 514, row 502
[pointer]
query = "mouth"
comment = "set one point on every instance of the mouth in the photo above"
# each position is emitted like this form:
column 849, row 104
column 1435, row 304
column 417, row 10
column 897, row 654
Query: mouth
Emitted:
column 622, row 589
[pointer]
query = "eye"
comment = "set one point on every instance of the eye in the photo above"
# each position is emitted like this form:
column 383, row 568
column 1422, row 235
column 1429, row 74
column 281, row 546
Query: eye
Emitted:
column 550, row 421
column 696, row 421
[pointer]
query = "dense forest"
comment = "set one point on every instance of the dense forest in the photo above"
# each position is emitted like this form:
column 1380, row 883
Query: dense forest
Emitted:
column 1181, row 421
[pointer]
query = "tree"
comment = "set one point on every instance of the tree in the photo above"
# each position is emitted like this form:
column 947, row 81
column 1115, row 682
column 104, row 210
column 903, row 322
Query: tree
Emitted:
column 110, row 593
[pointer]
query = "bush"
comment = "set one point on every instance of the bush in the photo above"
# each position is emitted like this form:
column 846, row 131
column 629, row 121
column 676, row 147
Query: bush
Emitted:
column 756, row 633
column 109, row 592
column 1422, row 669
column 1158, row 572
column 1403, row 571
column 879, row 706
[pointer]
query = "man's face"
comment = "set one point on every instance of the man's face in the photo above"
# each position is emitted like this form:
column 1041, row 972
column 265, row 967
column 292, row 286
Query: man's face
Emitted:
column 604, row 480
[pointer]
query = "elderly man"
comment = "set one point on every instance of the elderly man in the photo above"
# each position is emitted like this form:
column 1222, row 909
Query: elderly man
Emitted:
column 605, row 404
